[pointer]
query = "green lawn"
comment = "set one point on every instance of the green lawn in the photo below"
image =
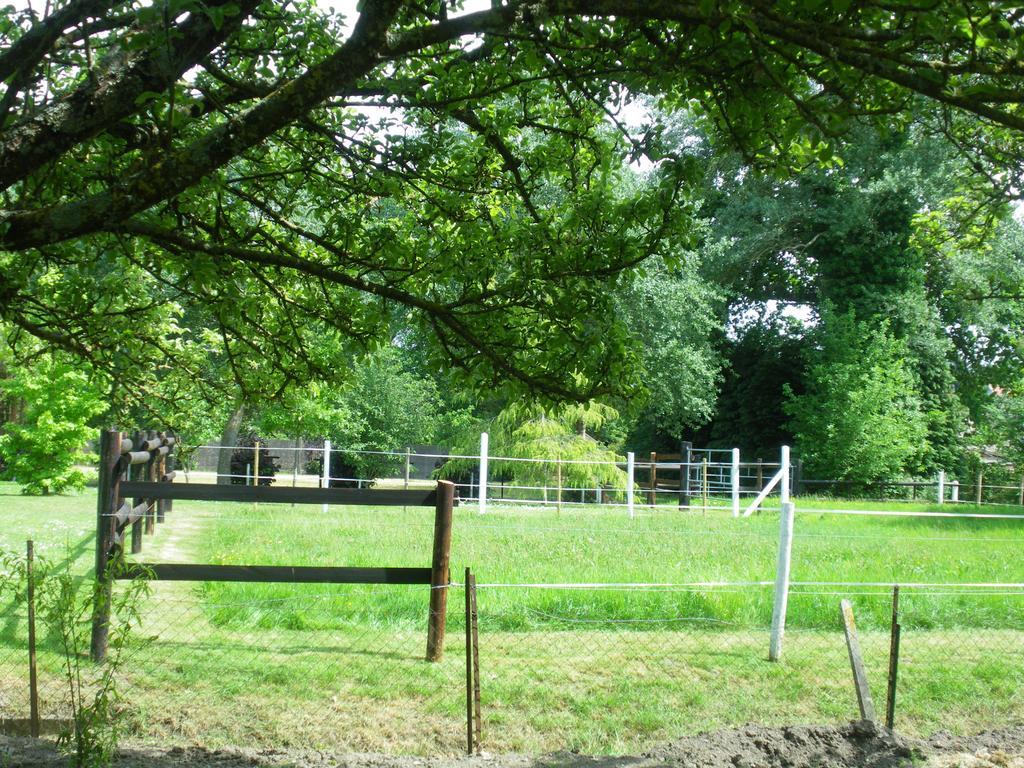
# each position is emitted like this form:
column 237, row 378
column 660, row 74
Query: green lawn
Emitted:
column 600, row 670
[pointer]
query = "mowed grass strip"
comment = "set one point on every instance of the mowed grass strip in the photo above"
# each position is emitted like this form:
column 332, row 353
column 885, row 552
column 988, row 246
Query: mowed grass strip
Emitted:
column 602, row 690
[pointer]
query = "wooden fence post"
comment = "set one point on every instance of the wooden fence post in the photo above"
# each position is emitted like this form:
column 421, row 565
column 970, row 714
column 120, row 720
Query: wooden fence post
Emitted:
column 161, row 470
column 439, row 575
column 860, row 678
column 760, row 475
column 978, row 486
column 107, row 503
column 1020, row 496
column 33, row 676
column 136, row 472
column 150, row 475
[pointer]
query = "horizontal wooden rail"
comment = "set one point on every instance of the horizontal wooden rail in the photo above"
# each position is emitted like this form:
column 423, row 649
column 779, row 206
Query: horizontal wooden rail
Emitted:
column 280, row 494
column 150, row 444
column 274, row 573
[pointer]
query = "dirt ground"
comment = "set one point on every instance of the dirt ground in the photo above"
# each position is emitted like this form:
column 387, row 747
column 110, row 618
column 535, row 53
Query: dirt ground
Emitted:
column 806, row 746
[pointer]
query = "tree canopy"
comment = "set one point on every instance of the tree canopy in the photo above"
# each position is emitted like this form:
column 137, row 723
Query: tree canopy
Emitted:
column 254, row 175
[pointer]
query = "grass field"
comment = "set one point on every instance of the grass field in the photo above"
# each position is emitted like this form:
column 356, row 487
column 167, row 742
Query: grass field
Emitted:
column 597, row 669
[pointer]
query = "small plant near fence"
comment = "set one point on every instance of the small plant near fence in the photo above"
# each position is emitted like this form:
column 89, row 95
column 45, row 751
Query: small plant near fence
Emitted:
column 64, row 604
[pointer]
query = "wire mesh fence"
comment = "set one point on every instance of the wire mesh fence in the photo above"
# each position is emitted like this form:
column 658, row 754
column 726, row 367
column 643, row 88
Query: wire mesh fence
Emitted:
column 600, row 670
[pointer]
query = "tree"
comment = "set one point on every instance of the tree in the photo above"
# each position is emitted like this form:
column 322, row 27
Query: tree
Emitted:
column 763, row 362
column 221, row 150
column 672, row 314
column 555, row 448
column 850, row 237
column 43, row 450
column 860, row 418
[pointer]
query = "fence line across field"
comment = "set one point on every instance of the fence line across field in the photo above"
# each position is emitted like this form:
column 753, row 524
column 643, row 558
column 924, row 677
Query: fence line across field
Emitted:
column 696, row 472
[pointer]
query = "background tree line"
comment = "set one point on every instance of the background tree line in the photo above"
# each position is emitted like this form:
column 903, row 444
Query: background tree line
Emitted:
column 259, row 216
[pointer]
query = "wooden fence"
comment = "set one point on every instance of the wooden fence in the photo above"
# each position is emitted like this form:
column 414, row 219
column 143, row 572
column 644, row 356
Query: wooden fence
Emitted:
column 152, row 491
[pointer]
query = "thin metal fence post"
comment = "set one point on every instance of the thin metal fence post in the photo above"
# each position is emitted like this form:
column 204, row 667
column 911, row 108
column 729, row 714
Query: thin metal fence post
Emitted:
column 894, row 659
column 407, row 463
column 477, row 719
column 782, row 570
column 941, row 486
column 469, row 665
column 33, row 676
column 979, row 486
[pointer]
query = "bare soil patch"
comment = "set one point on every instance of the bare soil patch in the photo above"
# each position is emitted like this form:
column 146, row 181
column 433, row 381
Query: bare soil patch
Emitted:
column 857, row 745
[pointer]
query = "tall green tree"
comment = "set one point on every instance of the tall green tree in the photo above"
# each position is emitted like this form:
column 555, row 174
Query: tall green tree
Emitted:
column 860, row 418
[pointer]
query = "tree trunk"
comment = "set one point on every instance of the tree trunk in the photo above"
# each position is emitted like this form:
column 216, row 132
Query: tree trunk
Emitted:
column 228, row 439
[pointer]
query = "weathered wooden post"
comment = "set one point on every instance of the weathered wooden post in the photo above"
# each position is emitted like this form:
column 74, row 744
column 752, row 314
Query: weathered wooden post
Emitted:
column 978, row 486
column 860, row 678
column 107, row 503
column 136, row 472
column 439, row 574
column 760, row 475
column 150, row 475
column 160, row 471
column 33, row 672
